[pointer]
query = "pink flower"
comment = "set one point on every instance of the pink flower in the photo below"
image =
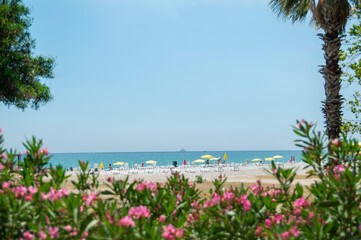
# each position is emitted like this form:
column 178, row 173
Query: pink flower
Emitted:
column 190, row 218
column 86, row 234
column 89, row 198
column 255, row 188
column 275, row 171
column 4, row 155
column 216, row 199
column 54, row 232
column 67, row 228
column 299, row 124
column 162, row 218
column 74, row 233
column 285, row 235
column 42, row 235
column 81, row 209
column 336, row 142
column 301, row 202
column 295, row 232
column 297, row 211
column 1, row 130
column 339, row 168
column 28, row 198
column 259, row 230
column 171, row 233
column 139, row 212
column 311, row 215
column 141, row 186
column 268, row 222
column 207, row 204
column 27, row 235
column 1, row 167
column 126, row 222
column 6, row 185
column 152, row 186
column 278, row 218
column 44, row 196
column 359, row 228
column 26, row 152
column 228, row 196
column 16, row 168
column 244, row 201
column 32, row 189
column 46, row 151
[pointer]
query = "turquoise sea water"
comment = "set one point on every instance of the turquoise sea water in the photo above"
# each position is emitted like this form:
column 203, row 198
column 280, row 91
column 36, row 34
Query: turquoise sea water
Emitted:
column 68, row 160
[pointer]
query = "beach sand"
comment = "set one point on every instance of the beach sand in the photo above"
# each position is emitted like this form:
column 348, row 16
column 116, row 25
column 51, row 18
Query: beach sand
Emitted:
column 246, row 175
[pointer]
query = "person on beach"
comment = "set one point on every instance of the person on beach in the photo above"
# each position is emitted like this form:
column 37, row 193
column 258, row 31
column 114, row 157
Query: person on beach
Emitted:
column 110, row 166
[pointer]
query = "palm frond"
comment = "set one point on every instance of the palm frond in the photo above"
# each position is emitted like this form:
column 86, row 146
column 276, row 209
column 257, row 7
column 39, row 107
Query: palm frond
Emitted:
column 295, row 10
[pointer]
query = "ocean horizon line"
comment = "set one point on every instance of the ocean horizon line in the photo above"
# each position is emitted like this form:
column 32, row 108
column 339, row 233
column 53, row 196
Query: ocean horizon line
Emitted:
column 177, row 151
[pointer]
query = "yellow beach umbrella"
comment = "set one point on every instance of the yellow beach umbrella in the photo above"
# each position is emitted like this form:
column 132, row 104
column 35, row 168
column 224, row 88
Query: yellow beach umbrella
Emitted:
column 213, row 159
column 207, row 156
column 277, row 156
column 225, row 156
column 256, row 159
column 269, row 159
column 101, row 165
column 199, row 161
column 150, row 161
column 118, row 163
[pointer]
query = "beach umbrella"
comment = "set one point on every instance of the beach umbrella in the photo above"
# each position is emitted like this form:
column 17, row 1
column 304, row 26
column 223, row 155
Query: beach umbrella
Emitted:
column 277, row 156
column 213, row 159
column 118, row 163
column 207, row 156
column 256, row 159
column 269, row 159
column 150, row 161
column 199, row 161
column 225, row 156
column 101, row 165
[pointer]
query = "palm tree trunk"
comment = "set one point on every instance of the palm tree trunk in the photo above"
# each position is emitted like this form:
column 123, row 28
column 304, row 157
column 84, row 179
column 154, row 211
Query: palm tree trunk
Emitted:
column 332, row 72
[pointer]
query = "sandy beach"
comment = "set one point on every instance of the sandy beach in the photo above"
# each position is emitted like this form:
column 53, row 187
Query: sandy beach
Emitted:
column 246, row 175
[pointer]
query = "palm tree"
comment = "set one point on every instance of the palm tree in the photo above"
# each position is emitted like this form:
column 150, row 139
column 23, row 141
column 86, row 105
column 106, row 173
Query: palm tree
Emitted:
column 331, row 16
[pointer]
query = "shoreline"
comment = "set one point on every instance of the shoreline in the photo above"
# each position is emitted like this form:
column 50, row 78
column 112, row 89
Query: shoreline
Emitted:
column 245, row 174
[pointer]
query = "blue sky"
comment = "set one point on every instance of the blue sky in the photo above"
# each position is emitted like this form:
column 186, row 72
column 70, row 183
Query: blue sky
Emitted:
column 160, row 75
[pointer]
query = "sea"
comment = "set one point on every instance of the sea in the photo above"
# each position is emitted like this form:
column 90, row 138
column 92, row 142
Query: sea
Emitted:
column 68, row 160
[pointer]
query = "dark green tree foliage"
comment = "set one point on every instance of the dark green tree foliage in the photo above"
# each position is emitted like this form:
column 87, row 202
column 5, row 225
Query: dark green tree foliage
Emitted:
column 351, row 78
column 20, row 71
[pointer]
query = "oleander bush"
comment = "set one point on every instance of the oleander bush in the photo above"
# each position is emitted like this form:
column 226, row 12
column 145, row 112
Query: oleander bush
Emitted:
column 34, row 204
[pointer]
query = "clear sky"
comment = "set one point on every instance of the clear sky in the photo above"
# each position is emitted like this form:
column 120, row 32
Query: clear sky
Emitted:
column 161, row 75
